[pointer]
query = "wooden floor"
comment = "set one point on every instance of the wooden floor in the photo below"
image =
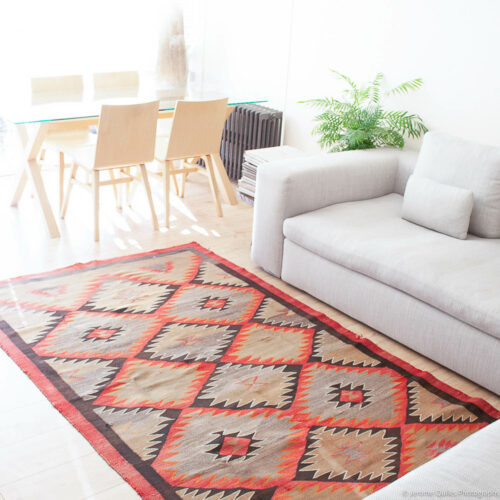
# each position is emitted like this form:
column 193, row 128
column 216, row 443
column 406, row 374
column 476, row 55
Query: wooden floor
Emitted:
column 42, row 455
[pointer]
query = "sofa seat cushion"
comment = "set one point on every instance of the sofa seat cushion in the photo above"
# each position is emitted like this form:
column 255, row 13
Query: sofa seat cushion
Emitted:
column 459, row 277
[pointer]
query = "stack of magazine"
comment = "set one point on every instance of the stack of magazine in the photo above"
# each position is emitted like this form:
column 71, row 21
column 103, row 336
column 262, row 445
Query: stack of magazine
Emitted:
column 253, row 159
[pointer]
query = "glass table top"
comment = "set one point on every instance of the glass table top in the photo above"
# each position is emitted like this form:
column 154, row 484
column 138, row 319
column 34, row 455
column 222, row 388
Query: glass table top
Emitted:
column 25, row 107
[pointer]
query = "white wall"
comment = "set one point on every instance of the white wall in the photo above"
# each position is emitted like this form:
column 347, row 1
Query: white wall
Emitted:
column 283, row 49
column 453, row 45
column 246, row 48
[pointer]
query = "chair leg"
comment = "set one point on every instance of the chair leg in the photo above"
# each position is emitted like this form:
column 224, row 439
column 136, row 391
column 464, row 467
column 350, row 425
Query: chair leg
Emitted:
column 116, row 190
column 95, row 192
column 147, row 187
column 71, row 180
column 61, row 179
column 128, row 194
column 213, row 184
column 183, row 184
column 174, row 178
column 132, row 187
column 166, row 191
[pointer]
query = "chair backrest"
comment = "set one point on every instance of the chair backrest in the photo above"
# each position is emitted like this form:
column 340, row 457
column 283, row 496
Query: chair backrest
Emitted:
column 119, row 84
column 56, row 88
column 196, row 128
column 126, row 134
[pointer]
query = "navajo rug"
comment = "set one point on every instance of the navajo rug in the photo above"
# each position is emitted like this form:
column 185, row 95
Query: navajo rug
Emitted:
column 196, row 380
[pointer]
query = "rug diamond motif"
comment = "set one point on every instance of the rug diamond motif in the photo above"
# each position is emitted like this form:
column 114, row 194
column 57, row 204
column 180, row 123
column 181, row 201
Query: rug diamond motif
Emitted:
column 318, row 490
column 346, row 454
column 350, row 396
column 425, row 406
column 197, row 381
column 143, row 429
column 275, row 313
column 423, row 442
column 155, row 384
column 30, row 324
column 124, row 296
column 217, row 494
column 72, row 338
column 175, row 269
column 85, row 376
column 63, row 292
column 250, row 386
column 186, row 342
column 211, row 274
column 274, row 446
column 188, row 304
column 328, row 348
column 257, row 343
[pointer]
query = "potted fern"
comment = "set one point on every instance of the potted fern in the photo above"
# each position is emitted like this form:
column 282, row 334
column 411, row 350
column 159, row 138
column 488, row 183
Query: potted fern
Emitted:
column 358, row 121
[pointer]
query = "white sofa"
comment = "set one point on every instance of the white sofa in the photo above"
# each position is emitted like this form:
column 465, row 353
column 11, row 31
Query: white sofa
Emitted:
column 331, row 225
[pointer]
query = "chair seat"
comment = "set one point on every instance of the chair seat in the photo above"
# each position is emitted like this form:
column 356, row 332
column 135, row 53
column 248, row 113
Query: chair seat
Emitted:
column 82, row 155
column 161, row 147
column 70, row 140
column 79, row 145
column 164, row 127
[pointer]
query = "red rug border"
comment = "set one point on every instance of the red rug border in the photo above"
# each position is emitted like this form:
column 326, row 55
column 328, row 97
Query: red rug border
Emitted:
column 101, row 444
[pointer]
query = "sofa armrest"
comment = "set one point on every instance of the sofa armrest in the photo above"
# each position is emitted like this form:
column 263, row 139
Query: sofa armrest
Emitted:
column 292, row 187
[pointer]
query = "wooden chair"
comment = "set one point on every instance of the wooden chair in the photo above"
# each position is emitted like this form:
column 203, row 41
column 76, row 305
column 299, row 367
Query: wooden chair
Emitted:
column 47, row 89
column 116, row 84
column 196, row 133
column 125, row 138
column 67, row 88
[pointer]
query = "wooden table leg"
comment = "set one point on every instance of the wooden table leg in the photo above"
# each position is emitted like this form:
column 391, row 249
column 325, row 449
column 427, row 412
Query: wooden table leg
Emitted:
column 23, row 176
column 32, row 172
column 223, row 180
column 209, row 164
column 21, row 184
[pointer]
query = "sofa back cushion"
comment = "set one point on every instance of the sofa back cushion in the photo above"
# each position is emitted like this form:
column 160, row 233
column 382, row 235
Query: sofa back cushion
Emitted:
column 456, row 162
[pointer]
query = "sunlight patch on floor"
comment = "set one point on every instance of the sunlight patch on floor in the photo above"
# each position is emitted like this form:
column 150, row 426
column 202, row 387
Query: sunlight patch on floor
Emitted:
column 179, row 205
column 119, row 243
column 134, row 243
column 200, row 229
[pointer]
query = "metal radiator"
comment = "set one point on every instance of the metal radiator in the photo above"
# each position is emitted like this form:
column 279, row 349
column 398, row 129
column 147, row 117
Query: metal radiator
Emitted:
column 250, row 126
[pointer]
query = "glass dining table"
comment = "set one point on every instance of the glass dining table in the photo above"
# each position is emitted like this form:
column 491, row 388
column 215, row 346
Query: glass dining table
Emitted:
column 57, row 112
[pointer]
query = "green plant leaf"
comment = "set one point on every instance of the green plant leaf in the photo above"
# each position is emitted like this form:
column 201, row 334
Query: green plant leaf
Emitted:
column 358, row 121
column 374, row 88
column 406, row 87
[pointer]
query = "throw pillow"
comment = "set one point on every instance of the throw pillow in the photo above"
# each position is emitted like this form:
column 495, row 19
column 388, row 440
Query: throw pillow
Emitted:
column 446, row 209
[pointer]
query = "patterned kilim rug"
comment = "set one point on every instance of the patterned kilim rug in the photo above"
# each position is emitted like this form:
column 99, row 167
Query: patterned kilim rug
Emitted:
column 196, row 380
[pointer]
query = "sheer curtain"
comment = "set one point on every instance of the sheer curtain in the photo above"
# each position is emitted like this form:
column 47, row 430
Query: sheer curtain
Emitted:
column 231, row 47
column 63, row 37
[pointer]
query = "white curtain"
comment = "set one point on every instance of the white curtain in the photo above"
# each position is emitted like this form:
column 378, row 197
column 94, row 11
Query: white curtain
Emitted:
column 63, row 37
